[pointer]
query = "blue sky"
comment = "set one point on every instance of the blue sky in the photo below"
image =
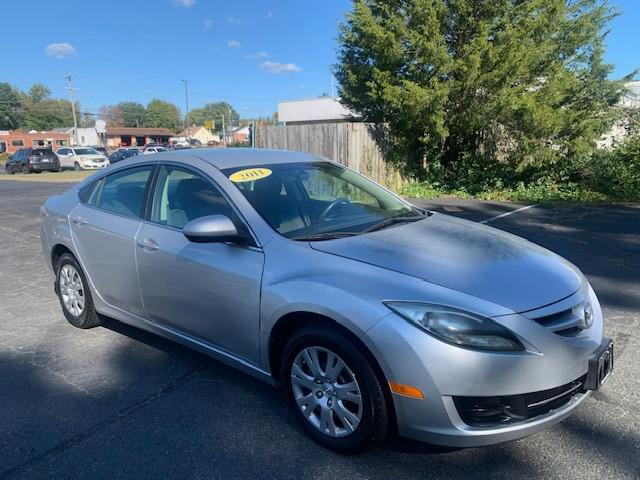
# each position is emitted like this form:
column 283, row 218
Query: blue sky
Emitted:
column 251, row 53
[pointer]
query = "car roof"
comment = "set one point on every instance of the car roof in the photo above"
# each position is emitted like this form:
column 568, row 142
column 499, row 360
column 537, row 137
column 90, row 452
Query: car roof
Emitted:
column 244, row 157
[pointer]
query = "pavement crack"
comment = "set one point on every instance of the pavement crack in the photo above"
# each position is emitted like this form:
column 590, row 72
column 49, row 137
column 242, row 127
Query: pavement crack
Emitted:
column 98, row 427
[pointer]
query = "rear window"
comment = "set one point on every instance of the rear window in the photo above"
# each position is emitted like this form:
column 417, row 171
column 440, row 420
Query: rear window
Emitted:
column 43, row 152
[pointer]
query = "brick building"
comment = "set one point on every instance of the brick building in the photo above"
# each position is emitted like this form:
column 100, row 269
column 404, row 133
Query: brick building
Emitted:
column 14, row 140
column 136, row 137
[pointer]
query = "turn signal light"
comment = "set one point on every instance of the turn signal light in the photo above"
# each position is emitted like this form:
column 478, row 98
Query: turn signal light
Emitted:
column 406, row 390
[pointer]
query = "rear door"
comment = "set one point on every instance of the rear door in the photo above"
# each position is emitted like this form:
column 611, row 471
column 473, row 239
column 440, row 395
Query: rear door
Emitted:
column 210, row 291
column 104, row 231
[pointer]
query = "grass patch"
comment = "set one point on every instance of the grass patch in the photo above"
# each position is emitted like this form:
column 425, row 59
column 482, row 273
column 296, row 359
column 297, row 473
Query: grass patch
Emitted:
column 535, row 193
column 69, row 176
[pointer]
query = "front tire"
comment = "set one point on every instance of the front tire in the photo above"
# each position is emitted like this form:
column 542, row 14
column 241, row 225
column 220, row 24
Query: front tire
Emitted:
column 77, row 167
column 74, row 295
column 333, row 390
column 25, row 169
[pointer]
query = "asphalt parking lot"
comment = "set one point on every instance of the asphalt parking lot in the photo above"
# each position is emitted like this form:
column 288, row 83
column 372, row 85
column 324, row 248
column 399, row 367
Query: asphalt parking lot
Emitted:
column 115, row 402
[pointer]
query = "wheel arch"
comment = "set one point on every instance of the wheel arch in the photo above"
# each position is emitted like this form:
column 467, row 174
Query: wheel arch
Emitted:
column 291, row 322
column 57, row 251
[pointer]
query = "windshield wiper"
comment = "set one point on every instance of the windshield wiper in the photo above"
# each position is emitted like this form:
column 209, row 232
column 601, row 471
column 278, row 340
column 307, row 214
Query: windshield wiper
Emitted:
column 394, row 220
column 324, row 236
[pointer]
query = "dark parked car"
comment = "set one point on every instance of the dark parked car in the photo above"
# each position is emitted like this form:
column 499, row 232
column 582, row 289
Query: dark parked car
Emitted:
column 122, row 154
column 29, row 160
column 101, row 150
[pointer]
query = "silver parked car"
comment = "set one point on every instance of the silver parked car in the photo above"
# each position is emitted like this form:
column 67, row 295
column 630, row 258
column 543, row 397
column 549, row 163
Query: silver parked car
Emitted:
column 373, row 315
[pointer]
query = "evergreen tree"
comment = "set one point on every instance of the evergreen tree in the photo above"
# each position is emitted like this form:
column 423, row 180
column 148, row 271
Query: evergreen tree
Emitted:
column 480, row 89
column 10, row 107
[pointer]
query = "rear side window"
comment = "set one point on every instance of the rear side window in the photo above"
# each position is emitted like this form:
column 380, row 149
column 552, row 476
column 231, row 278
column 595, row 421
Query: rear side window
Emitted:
column 123, row 192
column 87, row 193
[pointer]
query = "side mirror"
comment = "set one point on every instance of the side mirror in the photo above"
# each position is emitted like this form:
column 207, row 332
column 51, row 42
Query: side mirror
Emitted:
column 212, row 228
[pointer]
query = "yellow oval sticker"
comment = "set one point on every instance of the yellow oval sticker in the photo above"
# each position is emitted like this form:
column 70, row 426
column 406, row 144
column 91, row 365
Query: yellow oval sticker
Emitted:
column 250, row 174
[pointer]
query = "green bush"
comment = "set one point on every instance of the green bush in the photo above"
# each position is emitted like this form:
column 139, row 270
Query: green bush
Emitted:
column 605, row 176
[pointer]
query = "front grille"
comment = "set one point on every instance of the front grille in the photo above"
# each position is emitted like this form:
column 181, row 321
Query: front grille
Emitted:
column 508, row 409
column 568, row 322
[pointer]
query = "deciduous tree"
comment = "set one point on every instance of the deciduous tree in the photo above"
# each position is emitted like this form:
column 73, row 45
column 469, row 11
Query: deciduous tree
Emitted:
column 162, row 114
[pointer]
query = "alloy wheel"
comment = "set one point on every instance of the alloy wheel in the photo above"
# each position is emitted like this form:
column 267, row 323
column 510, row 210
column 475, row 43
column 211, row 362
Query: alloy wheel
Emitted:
column 326, row 391
column 71, row 290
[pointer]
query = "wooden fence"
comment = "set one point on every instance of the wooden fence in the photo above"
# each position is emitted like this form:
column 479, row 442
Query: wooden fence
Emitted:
column 351, row 144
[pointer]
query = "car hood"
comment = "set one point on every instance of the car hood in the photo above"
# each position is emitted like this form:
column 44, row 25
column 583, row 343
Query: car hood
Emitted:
column 467, row 257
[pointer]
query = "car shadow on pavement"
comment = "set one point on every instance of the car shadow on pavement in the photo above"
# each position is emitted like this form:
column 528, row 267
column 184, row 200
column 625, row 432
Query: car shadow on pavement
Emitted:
column 213, row 421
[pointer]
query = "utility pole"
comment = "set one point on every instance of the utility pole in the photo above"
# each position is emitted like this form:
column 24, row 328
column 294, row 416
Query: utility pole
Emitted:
column 224, row 132
column 186, row 101
column 73, row 109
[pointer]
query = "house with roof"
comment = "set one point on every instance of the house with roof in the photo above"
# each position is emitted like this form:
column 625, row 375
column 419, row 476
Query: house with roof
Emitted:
column 200, row 133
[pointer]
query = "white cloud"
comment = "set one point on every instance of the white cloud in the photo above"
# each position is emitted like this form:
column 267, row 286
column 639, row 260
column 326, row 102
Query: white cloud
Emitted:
column 233, row 44
column 269, row 15
column 60, row 50
column 278, row 68
column 260, row 54
column 236, row 21
column 184, row 3
column 208, row 23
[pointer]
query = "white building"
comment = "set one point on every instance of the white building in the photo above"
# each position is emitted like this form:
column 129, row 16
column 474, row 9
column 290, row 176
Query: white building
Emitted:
column 314, row 110
column 622, row 128
column 86, row 136
column 631, row 98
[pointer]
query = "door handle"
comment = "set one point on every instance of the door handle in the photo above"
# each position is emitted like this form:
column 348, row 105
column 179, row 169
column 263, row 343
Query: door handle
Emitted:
column 79, row 220
column 148, row 244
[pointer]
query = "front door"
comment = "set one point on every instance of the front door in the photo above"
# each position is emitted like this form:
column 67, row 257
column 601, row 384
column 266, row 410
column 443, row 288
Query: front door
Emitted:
column 210, row 291
column 104, row 234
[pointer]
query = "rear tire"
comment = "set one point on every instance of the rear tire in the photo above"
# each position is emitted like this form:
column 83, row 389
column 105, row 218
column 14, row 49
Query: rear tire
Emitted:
column 341, row 408
column 77, row 167
column 74, row 294
column 25, row 169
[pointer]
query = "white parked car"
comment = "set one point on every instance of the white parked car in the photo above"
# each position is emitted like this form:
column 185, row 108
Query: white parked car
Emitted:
column 81, row 158
column 150, row 150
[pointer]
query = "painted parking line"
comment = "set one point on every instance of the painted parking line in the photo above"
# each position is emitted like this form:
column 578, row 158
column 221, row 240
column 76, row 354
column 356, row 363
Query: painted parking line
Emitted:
column 511, row 212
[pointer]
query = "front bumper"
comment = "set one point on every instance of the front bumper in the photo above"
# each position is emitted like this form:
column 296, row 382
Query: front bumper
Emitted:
column 444, row 372
column 94, row 165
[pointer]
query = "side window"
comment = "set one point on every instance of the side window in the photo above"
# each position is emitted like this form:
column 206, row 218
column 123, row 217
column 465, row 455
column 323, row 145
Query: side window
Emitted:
column 182, row 196
column 63, row 151
column 88, row 193
column 123, row 192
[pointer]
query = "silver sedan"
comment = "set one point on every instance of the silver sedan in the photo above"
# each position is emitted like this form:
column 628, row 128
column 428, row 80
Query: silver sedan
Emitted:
column 372, row 314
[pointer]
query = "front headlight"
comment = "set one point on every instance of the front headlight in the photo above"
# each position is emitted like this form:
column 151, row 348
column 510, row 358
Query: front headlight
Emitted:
column 457, row 327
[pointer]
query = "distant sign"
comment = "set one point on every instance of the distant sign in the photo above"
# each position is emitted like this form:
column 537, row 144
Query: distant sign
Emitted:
column 209, row 124
column 101, row 126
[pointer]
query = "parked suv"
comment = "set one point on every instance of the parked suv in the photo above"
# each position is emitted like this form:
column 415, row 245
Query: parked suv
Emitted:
column 28, row 160
column 82, row 158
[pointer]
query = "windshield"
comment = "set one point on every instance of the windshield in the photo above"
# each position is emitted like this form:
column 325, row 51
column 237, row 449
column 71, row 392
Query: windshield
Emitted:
column 86, row 151
column 303, row 199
